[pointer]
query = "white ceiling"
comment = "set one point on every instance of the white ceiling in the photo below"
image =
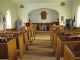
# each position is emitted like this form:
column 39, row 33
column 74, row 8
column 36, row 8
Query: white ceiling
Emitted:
column 39, row 1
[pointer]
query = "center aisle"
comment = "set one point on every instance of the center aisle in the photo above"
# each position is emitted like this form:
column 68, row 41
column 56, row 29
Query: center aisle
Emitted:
column 40, row 49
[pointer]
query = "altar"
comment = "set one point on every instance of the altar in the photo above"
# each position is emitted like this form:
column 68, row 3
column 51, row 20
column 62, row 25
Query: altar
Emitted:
column 44, row 26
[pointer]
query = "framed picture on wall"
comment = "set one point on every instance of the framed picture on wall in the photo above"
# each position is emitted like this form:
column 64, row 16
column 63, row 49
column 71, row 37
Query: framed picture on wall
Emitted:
column 43, row 15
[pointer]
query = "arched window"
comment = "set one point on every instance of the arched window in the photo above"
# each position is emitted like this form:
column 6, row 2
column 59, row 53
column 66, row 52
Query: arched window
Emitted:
column 78, row 17
column 8, row 19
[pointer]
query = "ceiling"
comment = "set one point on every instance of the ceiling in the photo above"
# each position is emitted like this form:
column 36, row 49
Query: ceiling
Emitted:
column 39, row 1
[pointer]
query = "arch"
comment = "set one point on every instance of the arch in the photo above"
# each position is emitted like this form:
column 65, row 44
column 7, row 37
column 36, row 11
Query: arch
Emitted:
column 42, row 8
column 46, row 10
column 78, row 17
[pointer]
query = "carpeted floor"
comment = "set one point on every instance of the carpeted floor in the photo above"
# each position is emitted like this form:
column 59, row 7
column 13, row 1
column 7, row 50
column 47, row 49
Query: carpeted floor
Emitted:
column 40, row 49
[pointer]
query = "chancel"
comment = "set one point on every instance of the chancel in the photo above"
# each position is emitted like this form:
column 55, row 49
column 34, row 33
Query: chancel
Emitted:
column 39, row 29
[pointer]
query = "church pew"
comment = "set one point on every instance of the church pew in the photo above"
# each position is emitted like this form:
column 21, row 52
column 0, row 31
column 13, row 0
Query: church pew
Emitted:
column 72, row 52
column 54, row 35
column 61, row 41
column 73, row 30
column 35, row 29
column 26, row 39
column 51, row 37
column 21, row 45
column 54, row 40
column 32, row 32
column 8, row 48
column 19, row 41
column 55, row 28
column 27, row 35
column 60, row 27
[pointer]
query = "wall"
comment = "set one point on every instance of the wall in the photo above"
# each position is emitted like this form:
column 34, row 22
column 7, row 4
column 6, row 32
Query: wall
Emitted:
column 75, row 5
column 51, row 16
column 23, row 12
column 8, row 5
column 63, row 10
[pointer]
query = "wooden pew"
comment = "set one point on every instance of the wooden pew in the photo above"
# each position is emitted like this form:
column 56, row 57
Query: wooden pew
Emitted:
column 26, row 40
column 71, row 52
column 60, row 42
column 54, row 36
column 27, row 35
column 32, row 32
column 74, row 31
column 21, row 45
column 60, row 27
column 53, row 30
column 54, row 39
column 8, row 49
column 35, row 29
column 19, row 41
column 51, row 37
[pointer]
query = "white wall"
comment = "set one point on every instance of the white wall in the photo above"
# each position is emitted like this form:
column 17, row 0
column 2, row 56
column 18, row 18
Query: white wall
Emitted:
column 8, row 5
column 51, row 16
column 67, row 11
column 63, row 10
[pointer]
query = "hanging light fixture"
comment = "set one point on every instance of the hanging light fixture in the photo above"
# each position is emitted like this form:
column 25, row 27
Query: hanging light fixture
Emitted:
column 62, row 3
column 21, row 6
